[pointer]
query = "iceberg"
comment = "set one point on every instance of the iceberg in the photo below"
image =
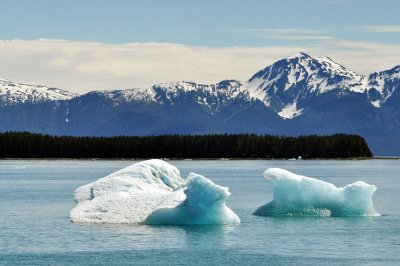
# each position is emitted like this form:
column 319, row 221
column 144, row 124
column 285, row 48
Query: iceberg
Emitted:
column 204, row 204
column 296, row 195
column 151, row 187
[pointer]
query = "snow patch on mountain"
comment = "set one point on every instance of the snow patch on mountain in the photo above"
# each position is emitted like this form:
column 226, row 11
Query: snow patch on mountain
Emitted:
column 255, row 89
column 290, row 111
column 137, row 95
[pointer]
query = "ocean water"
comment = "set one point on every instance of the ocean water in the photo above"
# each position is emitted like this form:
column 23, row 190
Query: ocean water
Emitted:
column 36, row 197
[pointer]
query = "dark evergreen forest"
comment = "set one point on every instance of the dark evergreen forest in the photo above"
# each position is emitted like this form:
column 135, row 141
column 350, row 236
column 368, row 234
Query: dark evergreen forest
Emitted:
column 251, row 146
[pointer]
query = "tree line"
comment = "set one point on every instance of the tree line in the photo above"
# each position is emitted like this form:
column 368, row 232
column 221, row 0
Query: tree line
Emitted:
column 30, row 145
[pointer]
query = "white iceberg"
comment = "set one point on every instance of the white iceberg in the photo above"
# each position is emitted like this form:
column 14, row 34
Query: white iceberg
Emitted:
column 296, row 195
column 130, row 195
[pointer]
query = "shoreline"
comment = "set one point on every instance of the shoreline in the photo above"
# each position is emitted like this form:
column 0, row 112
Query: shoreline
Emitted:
column 203, row 159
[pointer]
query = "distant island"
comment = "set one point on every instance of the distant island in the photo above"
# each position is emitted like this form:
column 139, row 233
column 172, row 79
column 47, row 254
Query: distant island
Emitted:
column 234, row 146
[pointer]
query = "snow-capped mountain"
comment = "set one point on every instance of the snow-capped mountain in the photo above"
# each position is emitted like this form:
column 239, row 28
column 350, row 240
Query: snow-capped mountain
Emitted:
column 15, row 93
column 212, row 97
column 296, row 95
column 287, row 85
column 118, row 97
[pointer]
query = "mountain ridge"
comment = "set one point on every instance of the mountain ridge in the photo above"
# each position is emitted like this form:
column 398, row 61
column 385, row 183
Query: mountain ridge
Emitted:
column 293, row 96
column 321, row 74
column 12, row 93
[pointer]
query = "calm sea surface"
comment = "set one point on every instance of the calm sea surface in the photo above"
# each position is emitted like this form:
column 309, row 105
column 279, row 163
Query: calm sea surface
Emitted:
column 36, row 197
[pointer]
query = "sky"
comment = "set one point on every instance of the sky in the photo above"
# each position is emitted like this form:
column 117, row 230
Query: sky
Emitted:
column 83, row 45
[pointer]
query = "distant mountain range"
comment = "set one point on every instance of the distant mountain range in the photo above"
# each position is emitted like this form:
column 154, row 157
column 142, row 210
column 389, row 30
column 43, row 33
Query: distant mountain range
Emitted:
column 294, row 96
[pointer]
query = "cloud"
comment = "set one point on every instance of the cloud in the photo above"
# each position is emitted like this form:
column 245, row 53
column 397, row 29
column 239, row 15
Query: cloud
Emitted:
column 291, row 34
column 84, row 66
column 384, row 28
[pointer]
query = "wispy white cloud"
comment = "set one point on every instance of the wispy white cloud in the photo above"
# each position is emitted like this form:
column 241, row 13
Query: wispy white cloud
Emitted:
column 298, row 37
column 285, row 31
column 84, row 66
column 292, row 34
column 383, row 28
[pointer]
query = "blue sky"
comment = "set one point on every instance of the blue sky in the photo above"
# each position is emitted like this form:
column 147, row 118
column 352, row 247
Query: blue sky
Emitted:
column 76, row 33
column 202, row 22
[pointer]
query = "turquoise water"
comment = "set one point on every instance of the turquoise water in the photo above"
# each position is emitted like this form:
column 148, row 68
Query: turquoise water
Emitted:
column 36, row 197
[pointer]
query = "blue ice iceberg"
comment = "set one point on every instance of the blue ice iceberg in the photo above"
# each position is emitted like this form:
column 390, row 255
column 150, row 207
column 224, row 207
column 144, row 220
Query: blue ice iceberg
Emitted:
column 296, row 195
column 204, row 204
column 130, row 195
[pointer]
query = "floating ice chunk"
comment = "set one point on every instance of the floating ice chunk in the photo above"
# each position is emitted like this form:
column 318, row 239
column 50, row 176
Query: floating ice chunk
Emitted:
column 142, row 176
column 204, row 204
column 296, row 195
column 130, row 195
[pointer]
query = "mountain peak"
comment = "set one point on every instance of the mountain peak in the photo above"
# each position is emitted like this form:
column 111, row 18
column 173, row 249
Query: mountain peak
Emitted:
column 288, row 84
column 299, row 55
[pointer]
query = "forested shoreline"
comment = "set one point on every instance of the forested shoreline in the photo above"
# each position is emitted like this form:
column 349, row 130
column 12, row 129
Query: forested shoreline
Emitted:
column 235, row 146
